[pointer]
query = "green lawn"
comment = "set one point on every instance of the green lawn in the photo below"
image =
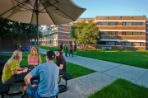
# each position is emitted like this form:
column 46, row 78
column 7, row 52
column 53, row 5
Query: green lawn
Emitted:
column 77, row 70
column 122, row 89
column 134, row 58
column 73, row 69
column 49, row 48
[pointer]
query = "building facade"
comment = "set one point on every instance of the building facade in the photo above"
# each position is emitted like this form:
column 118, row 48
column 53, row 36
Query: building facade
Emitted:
column 116, row 32
column 58, row 34
column 120, row 32
column 147, row 34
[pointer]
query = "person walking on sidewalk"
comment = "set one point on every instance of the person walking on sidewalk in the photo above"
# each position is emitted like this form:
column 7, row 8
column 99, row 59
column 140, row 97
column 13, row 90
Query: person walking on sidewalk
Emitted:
column 71, row 49
column 66, row 50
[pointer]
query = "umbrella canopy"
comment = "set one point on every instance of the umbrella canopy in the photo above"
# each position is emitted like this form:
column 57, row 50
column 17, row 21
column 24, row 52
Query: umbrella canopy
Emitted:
column 47, row 12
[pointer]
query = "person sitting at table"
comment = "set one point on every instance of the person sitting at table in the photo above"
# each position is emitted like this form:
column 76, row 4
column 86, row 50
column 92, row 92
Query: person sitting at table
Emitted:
column 34, row 58
column 48, row 79
column 12, row 68
column 12, row 72
column 60, row 61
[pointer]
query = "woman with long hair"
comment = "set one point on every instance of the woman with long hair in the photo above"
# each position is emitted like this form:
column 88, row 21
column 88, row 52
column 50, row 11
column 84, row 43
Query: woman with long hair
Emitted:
column 12, row 68
column 60, row 61
column 34, row 58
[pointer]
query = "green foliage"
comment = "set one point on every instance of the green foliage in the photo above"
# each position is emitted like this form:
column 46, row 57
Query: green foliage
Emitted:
column 85, row 33
column 73, row 32
column 122, row 89
column 17, row 31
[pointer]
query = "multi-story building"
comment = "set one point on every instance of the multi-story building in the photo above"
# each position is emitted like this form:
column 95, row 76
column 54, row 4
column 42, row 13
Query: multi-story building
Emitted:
column 79, row 20
column 147, row 34
column 122, row 32
column 116, row 32
column 58, row 34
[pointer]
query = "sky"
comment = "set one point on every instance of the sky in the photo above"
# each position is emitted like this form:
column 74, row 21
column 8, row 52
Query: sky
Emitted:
column 113, row 8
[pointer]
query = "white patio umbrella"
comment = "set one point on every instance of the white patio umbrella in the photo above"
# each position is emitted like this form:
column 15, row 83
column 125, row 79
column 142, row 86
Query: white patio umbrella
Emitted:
column 47, row 12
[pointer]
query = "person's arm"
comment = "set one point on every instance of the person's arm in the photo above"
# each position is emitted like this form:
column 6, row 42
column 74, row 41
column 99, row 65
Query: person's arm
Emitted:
column 28, row 77
column 62, row 61
column 61, row 66
column 16, row 69
column 21, row 70
column 27, row 80
column 40, row 60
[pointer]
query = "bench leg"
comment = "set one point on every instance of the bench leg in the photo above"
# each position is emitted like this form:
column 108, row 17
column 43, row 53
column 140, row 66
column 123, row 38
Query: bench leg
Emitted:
column 2, row 95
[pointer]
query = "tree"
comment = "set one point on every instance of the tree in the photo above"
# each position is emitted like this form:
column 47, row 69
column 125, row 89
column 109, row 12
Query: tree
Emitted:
column 85, row 33
column 16, row 33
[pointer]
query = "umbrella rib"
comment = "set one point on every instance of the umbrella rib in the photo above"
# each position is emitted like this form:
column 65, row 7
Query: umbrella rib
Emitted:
column 24, row 5
column 49, row 14
column 11, row 8
column 61, row 11
column 32, row 14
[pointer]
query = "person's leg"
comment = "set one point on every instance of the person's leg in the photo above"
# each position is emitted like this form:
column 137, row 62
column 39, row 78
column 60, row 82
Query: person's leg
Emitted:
column 72, row 52
column 66, row 53
column 32, row 92
column 69, row 52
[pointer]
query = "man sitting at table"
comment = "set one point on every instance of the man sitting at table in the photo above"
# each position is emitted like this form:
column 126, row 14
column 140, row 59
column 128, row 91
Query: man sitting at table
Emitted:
column 48, row 74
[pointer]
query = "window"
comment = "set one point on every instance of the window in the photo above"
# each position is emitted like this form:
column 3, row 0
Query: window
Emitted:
column 110, row 43
column 141, row 44
column 133, row 23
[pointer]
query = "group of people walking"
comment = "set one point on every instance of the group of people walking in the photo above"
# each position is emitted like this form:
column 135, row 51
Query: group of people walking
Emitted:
column 68, row 49
column 48, row 72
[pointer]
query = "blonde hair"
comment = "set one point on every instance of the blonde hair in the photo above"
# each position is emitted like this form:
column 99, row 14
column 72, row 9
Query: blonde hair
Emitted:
column 36, row 52
column 15, row 55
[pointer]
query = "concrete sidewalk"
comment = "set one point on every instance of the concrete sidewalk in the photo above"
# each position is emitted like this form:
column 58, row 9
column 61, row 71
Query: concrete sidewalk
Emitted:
column 134, row 74
column 83, row 87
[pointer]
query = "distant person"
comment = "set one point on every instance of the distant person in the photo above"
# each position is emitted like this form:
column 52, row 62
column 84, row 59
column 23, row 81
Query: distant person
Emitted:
column 61, row 47
column 75, row 46
column 34, row 58
column 71, row 48
column 60, row 61
column 48, row 74
column 66, row 50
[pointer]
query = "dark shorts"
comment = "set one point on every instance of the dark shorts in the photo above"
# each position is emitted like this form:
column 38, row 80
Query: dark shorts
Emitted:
column 34, row 94
column 16, row 79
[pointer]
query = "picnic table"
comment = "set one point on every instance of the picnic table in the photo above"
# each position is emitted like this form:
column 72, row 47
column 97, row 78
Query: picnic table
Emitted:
column 19, row 79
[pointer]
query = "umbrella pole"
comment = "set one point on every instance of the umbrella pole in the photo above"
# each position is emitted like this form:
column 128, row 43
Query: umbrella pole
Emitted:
column 37, row 22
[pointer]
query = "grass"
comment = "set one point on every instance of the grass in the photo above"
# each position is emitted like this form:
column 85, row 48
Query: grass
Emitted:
column 77, row 70
column 73, row 69
column 49, row 48
column 122, row 89
column 133, row 58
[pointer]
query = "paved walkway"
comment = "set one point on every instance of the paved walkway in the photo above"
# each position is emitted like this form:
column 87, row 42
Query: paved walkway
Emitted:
column 136, row 75
column 106, row 73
